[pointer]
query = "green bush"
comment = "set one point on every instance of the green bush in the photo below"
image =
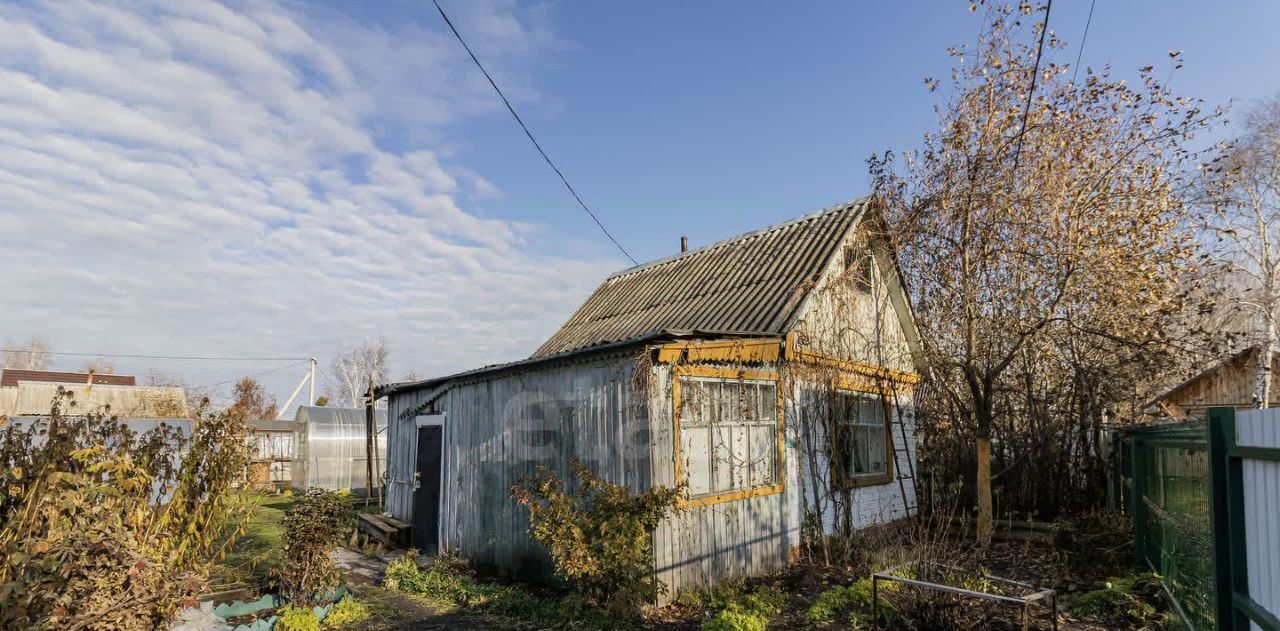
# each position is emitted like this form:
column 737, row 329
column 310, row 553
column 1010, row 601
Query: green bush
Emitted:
column 85, row 539
column 599, row 535
column 346, row 611
column 297, row 619
column 313, row 527
column 735, row 618
column 691, row 598
column 853, row 600
column 1122, row 602
column 736, row 610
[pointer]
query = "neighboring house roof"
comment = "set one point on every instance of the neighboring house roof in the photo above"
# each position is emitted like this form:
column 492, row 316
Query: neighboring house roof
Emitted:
column 36, row 398
column 1231, row 382
column 750, row 284
column 11, row 376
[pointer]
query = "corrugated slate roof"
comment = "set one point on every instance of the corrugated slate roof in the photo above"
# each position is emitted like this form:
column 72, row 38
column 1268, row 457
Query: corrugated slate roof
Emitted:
column 750, row 284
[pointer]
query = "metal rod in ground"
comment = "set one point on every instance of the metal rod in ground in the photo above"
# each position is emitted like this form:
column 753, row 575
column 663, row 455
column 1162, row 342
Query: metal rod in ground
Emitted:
column 875, row 602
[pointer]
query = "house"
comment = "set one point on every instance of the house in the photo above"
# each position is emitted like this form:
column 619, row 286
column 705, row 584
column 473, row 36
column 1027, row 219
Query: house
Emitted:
column 1232, row 382
column 770, row 373
column 31, row 393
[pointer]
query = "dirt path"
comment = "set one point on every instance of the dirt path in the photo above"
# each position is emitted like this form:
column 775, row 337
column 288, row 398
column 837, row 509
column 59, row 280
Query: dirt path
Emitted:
column 396, row 611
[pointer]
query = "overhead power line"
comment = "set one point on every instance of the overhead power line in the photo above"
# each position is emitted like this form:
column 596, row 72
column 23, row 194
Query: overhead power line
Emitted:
column 1083, row 38
column 1035, row 74
column 261, row 373
column 530, row 134
column 178, row 357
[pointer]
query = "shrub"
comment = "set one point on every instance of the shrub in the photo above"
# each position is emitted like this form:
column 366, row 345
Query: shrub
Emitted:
column 736, row 618
column 103, row 527
column 599, row 535
column 748, row 611
column 314, row 527
column 297, row 619
column 346, row 611
column 1121, row 602
column 853, row 600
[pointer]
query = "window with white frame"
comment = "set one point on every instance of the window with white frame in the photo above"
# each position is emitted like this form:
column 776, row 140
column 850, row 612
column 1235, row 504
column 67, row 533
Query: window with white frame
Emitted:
column 728, row 435
column 862, row 436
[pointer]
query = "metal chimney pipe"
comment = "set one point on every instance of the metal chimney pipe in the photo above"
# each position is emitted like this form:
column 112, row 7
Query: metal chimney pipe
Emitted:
column 684, row 244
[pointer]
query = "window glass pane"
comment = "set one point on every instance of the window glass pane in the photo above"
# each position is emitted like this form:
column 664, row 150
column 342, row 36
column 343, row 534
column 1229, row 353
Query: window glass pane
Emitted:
column 694, row 403
column 696, row 452
column 741, row 451
column 764, row 450
column 876, row 449
column 867, row 409
column 722, row 466
column 768, row 402
column 860, row 464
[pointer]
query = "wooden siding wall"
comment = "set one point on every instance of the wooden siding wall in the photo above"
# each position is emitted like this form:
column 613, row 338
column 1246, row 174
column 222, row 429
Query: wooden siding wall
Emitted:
column 749, row 537
column 705, row 544
column 1231, row 384
column 498, row 430
column 845, row 320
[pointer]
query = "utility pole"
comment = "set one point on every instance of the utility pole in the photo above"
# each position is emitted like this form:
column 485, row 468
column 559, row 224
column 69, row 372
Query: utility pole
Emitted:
column 368, row 444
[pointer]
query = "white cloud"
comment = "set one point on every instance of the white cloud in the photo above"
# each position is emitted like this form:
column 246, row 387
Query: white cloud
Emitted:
column 195, row 178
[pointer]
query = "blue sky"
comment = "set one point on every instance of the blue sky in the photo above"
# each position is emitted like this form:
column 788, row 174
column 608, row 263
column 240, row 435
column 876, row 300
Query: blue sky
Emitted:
column 712, row 118
column 286, row 179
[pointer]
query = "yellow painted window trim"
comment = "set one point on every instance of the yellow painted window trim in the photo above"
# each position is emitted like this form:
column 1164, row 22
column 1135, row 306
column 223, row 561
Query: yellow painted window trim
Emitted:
column 890, row 470
column 738, row 351
column 728, row 374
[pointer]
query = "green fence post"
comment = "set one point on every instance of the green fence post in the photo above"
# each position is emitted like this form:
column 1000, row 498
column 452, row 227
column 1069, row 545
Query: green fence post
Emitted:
column 1226, row 485
column 1138, row 508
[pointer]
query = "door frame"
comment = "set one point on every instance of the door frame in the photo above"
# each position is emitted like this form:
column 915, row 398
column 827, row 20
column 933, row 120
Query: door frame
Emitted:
column 432, row 419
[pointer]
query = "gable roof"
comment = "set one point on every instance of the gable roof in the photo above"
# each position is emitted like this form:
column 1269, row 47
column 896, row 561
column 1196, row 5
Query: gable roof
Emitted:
column 1230, row 382
column 11, row 376
column 751, row 284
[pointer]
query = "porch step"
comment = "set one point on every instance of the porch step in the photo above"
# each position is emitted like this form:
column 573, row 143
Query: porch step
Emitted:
column 387, row 530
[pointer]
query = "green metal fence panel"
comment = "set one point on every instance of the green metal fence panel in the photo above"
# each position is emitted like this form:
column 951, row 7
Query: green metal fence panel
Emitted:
column 1169, row 502
column 1204, row 514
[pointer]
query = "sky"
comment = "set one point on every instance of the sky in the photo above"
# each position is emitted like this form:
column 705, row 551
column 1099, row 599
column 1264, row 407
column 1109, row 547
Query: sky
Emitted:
column 285, row 180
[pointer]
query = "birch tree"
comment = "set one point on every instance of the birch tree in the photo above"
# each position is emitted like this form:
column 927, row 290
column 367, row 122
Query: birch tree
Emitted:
column 32, row 356
column 1043, row 212
column 1242, row 196
column 354, row 368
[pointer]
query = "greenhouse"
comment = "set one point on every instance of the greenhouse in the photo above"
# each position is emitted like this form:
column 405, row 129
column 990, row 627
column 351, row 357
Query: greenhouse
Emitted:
column 331, row 450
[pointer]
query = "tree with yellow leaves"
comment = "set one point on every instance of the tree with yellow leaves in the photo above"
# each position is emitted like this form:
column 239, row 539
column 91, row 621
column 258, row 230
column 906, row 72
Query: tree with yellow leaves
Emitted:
column 1045, row 212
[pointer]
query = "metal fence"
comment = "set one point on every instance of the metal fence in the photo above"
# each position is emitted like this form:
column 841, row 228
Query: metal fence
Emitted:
column 1205, row 502
column 1244, row 459
column 1168, row 497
